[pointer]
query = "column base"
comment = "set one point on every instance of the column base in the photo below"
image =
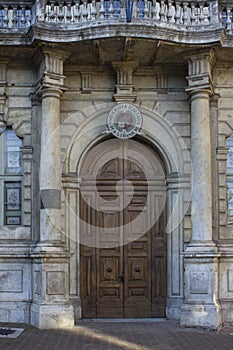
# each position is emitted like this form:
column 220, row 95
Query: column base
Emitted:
column 173, row 308
column 76, row 303
column 201, row 315
column 52, row 316
column 201, row 247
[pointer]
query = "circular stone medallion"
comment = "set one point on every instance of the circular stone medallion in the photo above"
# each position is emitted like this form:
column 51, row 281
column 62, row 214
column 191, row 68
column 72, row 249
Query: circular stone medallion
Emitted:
column 124, row 120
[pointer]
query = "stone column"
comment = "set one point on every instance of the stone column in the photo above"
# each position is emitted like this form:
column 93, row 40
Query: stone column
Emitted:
column 201, row 308
column 201, row 208
column 50, row 166
column 50, row 307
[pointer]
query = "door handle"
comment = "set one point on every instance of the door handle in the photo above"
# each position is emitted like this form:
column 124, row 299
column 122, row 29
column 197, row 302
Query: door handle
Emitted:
column 121, row 278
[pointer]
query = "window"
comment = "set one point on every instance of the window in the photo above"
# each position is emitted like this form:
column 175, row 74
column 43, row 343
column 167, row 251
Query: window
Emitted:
column 10, row 179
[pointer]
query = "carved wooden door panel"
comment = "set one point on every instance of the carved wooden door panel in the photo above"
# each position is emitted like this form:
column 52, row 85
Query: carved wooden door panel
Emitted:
column 123, row 263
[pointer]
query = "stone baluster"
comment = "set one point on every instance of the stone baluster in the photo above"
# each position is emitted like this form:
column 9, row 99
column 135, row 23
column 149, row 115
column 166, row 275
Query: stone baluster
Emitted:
column 177, row 13
column 93, row 10
column 84, row 11
column 56, row 11
column 111, row 9
column 47, row 11
column 102, row 9
column 117, row 9
column 201, row 14
column 207, row 14
column 76, row 13
column 193, row 14
column 23, row 19
column 5, row 19
column 154, row 11
column 1, row 16
column 14, row 19
column 65, row 11
column 28, row 17
column 146, row 9
column 170, row 13
column 185, row 13
column 68, row 14
column 61, row 14
column 229, row 23
column 51, row 15
column 162, row 11
column 72, row 12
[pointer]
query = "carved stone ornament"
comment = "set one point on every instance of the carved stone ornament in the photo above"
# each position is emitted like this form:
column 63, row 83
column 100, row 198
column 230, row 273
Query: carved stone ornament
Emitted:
column 124, row 121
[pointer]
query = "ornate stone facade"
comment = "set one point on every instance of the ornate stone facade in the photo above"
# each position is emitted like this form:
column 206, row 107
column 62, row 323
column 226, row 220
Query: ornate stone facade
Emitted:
column 63, row 67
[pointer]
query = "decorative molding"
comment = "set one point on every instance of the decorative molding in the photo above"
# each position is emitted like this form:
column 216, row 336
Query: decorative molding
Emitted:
column 230, row 280
column 199, row 282
column 11, row 281
column 124, row 86
column 86, row 82
column 200, row 67
column 55, row 283
column 49, row 61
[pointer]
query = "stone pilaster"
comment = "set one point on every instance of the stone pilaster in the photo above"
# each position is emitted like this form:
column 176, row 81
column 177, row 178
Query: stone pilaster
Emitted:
column 27, row 157
column 201, row 306
column 50, row 307
column 3, row 68
column 36, row 126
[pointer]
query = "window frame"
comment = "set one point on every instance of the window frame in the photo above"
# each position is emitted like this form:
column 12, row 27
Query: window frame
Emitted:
column 9, row 178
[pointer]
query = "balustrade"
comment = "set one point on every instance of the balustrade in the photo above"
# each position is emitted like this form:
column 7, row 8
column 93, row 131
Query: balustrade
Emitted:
column 20, row 14
column 15, row 16
column 178, row 12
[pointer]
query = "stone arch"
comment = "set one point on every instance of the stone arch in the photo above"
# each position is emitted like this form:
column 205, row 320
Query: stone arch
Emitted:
column 156, row 130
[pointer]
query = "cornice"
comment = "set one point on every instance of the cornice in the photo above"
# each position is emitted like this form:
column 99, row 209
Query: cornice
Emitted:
column 138, row 29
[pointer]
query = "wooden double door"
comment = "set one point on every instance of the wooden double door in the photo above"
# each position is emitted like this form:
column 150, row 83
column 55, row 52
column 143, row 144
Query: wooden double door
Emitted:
column 122, row 232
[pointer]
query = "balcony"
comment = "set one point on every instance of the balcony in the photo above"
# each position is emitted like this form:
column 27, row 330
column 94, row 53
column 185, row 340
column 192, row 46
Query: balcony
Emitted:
column 180, row 21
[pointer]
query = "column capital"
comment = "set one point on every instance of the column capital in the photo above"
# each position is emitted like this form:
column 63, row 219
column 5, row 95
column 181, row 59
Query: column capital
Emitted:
column 50, row 92
column 200, row 65
column 200, row 93
column 50, row 61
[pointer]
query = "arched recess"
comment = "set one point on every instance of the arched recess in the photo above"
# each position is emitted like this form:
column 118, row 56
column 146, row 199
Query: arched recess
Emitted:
column 161, row 136
column 122, row 231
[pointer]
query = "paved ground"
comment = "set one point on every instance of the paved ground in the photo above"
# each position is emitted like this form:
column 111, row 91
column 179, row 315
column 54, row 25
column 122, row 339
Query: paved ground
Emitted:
column 96, row 335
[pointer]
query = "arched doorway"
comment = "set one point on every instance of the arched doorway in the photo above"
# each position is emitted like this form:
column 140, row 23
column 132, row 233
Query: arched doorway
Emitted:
column 122, row 231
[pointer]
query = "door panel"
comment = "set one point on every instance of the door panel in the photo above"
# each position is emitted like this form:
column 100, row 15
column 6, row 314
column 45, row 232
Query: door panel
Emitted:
column 110, row 288
column 123, row 273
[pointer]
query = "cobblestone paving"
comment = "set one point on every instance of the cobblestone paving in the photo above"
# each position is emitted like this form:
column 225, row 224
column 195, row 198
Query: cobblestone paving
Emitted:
column 111, row 335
